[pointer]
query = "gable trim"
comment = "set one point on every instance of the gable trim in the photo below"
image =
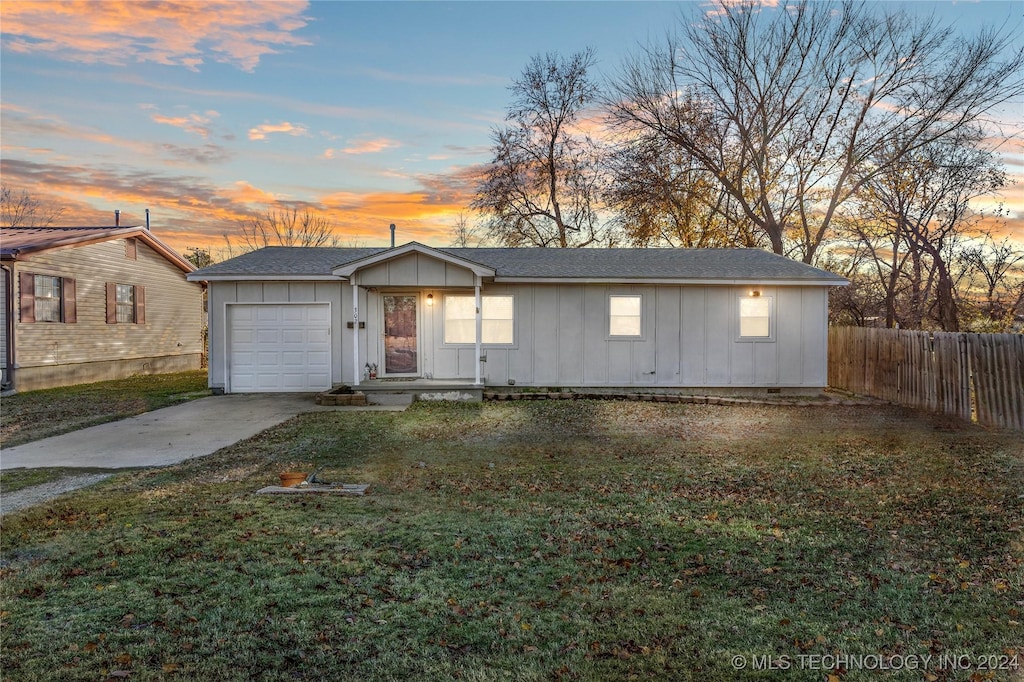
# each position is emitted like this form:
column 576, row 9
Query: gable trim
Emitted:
column 349, row 269
column 139, row 233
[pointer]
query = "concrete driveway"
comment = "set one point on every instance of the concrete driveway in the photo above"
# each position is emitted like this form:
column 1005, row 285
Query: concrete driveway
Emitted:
column 165, row 436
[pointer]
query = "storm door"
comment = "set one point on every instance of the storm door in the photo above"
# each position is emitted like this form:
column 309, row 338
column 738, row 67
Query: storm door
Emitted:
column 400, row 348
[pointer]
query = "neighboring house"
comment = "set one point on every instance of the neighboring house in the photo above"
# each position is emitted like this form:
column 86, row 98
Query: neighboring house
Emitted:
column 305, row 319
column 95, row 303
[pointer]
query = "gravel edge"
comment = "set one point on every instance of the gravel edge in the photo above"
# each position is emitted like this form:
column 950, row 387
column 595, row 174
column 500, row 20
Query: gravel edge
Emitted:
column 37, row 494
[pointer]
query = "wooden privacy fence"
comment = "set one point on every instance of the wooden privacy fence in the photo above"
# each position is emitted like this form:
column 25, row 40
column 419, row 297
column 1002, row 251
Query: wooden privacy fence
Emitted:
column 972, row 376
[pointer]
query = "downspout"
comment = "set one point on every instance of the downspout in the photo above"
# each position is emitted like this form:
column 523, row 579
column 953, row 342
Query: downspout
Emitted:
column 8, row 382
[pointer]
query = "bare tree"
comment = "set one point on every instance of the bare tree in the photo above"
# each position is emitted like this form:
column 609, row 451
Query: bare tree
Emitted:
column 21, row 209
column 793, row 109
column 465, row 235
column 541, row 189
column 286, row 227
column 663, row 198
column 198, row 257
column 998, row 263
column 916, row 219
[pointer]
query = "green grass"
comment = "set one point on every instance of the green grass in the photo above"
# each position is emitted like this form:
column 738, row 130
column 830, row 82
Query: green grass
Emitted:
column 571, row 540
column 30, row 416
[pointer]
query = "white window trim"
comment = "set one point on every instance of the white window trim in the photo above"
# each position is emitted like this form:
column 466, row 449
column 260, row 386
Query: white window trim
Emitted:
column 130, row 305
column 469, row 344
column 772, row 315
column 608, row 318
column 59, row 298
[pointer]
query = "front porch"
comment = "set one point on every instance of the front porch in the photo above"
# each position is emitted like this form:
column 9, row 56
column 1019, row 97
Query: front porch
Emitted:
column 403, row 391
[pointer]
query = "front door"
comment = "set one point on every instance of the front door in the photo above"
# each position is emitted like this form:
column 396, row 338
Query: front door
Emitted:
column 400, row 352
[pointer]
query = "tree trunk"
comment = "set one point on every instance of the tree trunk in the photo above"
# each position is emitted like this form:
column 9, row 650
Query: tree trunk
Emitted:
column 945, row 301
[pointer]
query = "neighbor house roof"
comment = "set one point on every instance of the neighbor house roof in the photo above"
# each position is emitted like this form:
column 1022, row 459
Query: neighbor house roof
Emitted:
column 713, row 266
column 18, row 242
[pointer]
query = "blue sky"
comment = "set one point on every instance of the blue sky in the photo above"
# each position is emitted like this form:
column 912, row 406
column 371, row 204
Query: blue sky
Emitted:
column 370, row 113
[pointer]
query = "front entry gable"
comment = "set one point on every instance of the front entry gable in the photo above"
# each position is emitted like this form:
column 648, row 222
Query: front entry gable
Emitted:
column 413, row 265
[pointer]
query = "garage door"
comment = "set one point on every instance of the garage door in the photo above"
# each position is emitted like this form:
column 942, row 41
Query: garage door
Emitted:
column 279, row 347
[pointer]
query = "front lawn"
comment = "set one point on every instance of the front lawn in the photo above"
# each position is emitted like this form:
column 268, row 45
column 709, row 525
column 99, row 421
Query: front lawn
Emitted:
column 33, row 415
column 571, row 540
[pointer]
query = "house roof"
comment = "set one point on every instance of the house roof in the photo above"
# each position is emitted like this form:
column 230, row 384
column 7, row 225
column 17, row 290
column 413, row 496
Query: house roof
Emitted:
column 284, row 262
column 713, row 266
column 16, row 242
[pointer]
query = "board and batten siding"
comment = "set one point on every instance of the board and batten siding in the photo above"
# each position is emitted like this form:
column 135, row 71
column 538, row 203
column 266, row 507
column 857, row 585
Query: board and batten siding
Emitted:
column 415, row 270
column 690, row 338
column 173, row 310
column 690, row 334
column 337, row 294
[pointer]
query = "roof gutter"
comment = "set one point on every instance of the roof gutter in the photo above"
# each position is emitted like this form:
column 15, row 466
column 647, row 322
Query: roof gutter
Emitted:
column 8, row 380
column 200, row 277
column 675, row 281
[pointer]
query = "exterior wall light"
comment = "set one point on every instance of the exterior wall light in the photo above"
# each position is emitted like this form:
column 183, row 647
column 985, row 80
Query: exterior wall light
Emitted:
column 430, row 300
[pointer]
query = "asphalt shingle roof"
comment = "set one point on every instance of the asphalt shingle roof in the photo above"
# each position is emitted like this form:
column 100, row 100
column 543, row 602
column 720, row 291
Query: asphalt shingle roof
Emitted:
column 617, row 264
column 286, row 260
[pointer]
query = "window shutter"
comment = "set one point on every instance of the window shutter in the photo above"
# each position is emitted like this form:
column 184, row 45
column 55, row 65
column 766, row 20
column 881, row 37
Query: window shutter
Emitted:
column 140, row 305
column 111, row 303
column 130, row 249
column 68, row 304
column 28, row 297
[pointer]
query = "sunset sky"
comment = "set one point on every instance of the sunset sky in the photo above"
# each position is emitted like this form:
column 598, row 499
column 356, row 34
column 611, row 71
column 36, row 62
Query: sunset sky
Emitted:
column 370, row 113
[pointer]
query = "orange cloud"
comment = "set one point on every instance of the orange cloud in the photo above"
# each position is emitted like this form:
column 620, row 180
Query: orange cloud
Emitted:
column 371, row 146
column 260, row 132
column 174, row 32
column 197, row 124
column 245, row 193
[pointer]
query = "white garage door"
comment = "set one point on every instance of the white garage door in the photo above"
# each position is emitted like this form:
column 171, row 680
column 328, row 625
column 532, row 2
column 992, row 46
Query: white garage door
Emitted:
column 279, row 347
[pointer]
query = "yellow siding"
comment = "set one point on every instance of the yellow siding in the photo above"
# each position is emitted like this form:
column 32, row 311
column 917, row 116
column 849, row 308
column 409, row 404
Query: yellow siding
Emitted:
column 174, row 314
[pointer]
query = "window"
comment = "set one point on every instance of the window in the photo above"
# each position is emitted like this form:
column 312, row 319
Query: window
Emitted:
column 126, row 304
column 46, row 298
column 756, row 317
column 125, row 297
column 624, row 316
column 497, row 317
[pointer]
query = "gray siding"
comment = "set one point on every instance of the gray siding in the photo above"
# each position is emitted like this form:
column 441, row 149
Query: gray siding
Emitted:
column 173, row 317
column 339, row 295
column 690, row 335
column 690, row 338
column 415, row 269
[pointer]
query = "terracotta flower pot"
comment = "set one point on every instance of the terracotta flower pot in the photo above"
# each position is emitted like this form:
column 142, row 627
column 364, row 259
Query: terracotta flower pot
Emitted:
column 290, row 479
